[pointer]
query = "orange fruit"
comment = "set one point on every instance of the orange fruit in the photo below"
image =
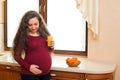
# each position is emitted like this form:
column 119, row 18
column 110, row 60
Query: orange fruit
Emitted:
column 74, row 58
column 68, row 60
column 73, row 61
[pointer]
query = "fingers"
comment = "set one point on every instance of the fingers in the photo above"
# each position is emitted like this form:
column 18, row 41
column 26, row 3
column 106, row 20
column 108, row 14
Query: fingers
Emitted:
column 36, row 66
column 35, row 69
column 52, row 43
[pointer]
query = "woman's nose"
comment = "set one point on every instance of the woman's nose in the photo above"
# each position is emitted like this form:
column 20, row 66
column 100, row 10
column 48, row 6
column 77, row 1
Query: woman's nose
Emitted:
column 33, row 27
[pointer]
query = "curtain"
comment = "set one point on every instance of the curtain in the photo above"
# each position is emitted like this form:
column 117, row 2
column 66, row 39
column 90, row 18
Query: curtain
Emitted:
column 90, row 10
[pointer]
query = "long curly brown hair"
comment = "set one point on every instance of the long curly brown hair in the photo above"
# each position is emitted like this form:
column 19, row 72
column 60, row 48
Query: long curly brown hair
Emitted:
column 19, row 43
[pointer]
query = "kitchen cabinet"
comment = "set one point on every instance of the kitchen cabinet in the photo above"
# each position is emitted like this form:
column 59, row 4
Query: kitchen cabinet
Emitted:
column 9, row 72
column 12, row 72
column 63, row 75
column 107, row 76
column 87, row 70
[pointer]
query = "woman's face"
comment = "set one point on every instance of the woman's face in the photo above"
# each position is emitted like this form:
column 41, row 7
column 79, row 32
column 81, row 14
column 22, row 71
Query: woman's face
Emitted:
column 33, row 25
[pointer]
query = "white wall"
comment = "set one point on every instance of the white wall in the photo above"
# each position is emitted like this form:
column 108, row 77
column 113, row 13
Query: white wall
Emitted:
column 1, row 25
column 107, row 47
column 1, row 12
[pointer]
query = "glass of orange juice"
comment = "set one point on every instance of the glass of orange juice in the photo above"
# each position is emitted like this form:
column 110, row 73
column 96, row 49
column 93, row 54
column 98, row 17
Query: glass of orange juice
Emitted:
column 49, row 40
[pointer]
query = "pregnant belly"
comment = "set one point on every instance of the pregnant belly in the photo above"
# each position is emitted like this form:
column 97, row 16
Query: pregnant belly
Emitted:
column 43, row 61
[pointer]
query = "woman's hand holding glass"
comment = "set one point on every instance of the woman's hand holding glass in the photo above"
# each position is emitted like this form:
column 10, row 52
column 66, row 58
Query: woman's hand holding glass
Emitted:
column 50, row 41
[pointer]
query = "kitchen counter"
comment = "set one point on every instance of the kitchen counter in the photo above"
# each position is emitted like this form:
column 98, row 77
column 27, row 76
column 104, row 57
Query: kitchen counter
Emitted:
column 58, row 63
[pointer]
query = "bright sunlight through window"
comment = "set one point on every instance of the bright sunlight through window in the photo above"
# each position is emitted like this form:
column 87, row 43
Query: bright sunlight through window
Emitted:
column 66, row 25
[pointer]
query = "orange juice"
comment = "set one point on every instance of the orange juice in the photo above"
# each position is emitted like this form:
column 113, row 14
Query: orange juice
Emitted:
column 49, row 40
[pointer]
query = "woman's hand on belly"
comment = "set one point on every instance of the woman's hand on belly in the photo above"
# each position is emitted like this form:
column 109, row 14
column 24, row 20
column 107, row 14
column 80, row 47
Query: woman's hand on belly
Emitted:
column 35, row 69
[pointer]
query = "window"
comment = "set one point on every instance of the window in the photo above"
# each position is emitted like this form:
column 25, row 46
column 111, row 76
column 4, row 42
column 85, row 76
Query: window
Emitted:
column 13, row 14
column 64, row 22
column 67, row 26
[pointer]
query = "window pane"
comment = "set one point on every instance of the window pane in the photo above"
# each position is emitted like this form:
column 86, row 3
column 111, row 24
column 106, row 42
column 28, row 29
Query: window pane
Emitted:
column 66, row 25
column 14, row 14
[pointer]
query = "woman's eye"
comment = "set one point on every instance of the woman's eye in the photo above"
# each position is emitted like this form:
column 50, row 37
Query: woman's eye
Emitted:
column 29, row 25
column 36, row 24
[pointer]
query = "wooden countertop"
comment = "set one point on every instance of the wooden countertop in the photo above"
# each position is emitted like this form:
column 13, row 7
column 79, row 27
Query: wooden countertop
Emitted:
column 58, row 63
